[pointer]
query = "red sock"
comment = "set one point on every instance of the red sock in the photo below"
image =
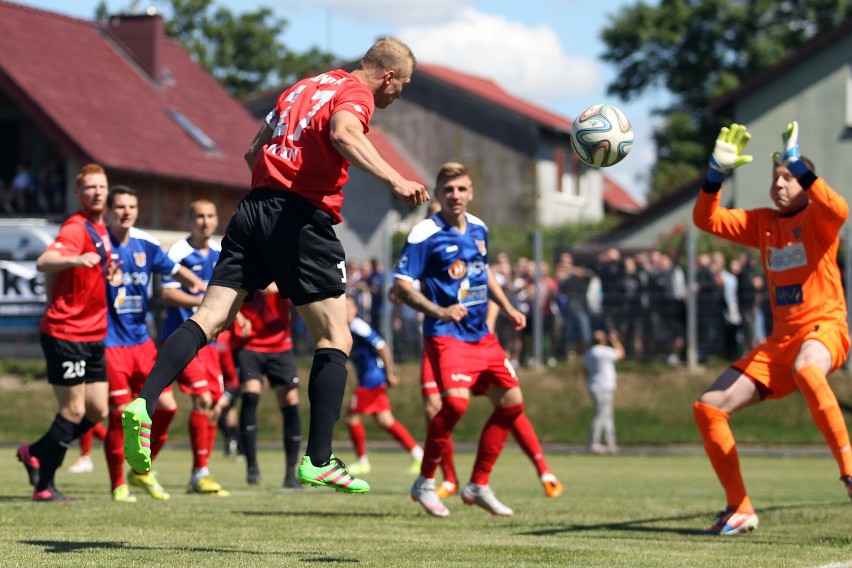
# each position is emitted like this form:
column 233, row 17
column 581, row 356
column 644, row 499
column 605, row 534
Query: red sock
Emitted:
column 527, row 439
column 86, row 443
column 448, row 463
column 439, row 432
column 826, row 413
column 198, row 439
column 114, row 449
column 402, row 435
column 358, row 435
column 492, row 440
column 212, row 431
column 99, row 431
column 160, row 429
column 721, row 448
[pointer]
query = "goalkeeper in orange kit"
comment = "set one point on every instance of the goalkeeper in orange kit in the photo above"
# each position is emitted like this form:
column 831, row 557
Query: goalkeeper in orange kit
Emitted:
column 798, row 244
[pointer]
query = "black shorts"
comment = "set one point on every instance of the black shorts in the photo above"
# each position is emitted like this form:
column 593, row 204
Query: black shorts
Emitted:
column 279, row 367
column 72, row 363
column 278, row 236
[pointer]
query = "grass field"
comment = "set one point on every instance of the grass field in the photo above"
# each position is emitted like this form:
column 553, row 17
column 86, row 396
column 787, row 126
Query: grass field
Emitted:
column 628, row 510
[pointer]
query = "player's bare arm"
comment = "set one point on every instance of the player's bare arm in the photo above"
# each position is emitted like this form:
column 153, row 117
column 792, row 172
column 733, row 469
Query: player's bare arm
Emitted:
column 190, row 281
column 414, row 298
column 496, row 294
column 347, row 136
column 387, row 359
column 52, row 261
column 261, row 139
column 177, row 298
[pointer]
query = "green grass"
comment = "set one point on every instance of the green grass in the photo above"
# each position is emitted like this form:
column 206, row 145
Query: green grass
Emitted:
column 618, row 511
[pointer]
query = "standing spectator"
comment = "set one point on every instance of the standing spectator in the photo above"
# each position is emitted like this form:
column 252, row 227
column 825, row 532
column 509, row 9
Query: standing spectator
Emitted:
column 573, row 289
column 283, row 232
column 373, row 363
column 798, row 242
column 732, row 317
column 747, row 299
column 710, row 302
column 73, row 330
column 267, row 350
column 610, row 270
column 601, row 381
column 376, row 283
column 22, row 189
column 672, row 282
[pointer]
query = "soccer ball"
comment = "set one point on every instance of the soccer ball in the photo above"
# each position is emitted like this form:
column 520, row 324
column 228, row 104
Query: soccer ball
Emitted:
column 601, row 136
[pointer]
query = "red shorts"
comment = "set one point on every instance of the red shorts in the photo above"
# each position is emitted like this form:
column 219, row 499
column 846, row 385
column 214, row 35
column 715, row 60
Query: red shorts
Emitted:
column 458, row 364
column 203, row 374
column 127, row 368
column 770, row 364
column 369, row 401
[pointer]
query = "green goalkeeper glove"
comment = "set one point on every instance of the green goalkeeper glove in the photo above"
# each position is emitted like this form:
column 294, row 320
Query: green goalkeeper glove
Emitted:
column 791, row 156
column 727, row 154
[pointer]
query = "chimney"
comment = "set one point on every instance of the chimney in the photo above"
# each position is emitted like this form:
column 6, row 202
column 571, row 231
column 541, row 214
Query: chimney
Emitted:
column 140, row 36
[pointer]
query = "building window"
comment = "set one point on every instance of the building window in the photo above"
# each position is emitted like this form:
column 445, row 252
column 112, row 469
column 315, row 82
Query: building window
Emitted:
column 199, row 136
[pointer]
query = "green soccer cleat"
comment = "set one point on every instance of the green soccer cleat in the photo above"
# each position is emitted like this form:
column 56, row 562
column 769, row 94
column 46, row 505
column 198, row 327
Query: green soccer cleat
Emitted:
column 121, row 494
column 148, row 482
column 334, row 475
column 137, row 435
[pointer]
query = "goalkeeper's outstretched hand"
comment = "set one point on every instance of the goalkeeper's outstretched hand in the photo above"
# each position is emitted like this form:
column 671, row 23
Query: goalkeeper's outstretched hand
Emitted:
column 728, row 153
column 790, row 156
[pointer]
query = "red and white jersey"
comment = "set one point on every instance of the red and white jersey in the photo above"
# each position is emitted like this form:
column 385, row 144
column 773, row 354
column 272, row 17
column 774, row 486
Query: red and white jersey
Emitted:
column 799, row 252
column 77, row 308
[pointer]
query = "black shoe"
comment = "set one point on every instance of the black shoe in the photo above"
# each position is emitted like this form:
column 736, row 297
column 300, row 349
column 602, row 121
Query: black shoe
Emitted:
column 253, row 476
column 291, row 482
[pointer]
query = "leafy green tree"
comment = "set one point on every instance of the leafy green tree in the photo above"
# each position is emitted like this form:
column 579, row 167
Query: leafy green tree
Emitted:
column 244, row 52
column 698, row 50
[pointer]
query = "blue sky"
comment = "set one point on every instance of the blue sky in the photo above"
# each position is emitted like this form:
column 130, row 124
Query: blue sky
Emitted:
column 545, row 51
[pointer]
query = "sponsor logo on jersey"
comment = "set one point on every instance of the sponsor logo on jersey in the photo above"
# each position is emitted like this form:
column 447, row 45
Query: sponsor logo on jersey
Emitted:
column 481, row 246
column 116, row 277
column 788, row 295
column 473, row 296
column 139, row 258
column 458, row 269
column 403, row 261
column 451, row 248
column 461, row 378
column 787, row 258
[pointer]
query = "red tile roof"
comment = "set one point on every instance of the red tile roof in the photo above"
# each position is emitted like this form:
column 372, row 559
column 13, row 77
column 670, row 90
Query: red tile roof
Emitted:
column 489, row 91
column 390, row 151
column 72, row 78
column 617, row 199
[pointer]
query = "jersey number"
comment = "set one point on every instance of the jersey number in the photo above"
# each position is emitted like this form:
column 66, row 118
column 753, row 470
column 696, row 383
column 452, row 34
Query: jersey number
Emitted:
column 342, row 266
column 74, row 369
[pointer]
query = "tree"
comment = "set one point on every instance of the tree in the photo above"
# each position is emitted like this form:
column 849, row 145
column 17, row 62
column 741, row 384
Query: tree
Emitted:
column 699, row 50
column 244, row 52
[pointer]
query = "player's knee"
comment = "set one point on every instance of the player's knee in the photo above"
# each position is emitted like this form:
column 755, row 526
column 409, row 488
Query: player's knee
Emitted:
column 454, row 407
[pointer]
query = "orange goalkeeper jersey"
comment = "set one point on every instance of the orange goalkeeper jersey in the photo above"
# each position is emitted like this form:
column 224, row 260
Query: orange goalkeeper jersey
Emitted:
column 799, row 253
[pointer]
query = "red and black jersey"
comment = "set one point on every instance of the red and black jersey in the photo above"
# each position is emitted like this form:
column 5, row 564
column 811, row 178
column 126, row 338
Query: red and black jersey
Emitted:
column 77, row 307
column 300, row 157
column 270, row 324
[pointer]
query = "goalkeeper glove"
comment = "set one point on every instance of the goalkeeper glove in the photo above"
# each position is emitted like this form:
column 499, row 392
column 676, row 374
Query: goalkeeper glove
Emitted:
column 791, row 157
column 727, row 154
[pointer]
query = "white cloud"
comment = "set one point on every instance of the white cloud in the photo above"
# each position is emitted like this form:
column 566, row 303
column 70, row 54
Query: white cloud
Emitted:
column 396, row 12
column 527, row 61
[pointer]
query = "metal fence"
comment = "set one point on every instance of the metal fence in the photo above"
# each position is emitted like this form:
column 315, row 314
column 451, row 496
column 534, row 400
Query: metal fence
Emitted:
column 680, row 304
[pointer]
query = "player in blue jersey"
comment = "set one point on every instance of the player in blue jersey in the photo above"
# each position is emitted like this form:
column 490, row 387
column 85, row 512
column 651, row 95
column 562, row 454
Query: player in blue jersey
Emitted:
column 373, row 363
column 447, row 253
column 130, row 351
column 202, row 378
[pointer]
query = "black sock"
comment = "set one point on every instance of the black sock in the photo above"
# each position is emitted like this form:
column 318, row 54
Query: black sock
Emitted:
column 84, row 426
column 248, row 426
column 292, row 430
column 179, row 349
column 326, row 387
column 50, row 449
